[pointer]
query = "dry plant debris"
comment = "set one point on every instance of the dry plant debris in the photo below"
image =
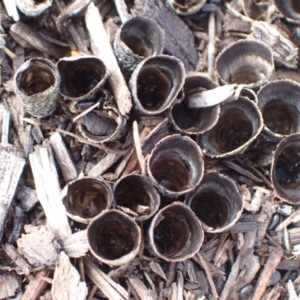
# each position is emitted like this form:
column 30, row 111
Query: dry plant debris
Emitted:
column 150, row 149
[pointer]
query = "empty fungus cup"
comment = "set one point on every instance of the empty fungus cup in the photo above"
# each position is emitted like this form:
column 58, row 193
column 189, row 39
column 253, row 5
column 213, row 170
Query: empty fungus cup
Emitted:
column 285, row 170
column 280, row 107
column 194, row 120
column 155, row 84
column 86, row 197
column 81, row 77
column 175, row 165
column 217, row 201
column 239, row 124
column 137, row 193
column 137, row 39
column 36, row 84
column 114, row 238
column 289, row 8
column 175, row 234
column 245, row 62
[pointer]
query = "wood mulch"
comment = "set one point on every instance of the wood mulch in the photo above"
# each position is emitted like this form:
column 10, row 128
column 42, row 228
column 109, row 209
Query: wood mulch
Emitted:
column 43, row 253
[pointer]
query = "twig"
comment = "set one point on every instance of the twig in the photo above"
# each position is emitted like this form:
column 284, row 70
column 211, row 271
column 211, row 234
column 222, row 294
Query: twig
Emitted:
column 122, row 10
column 5, row 125
column 267, row 272
column 101, row 47
column 63, row 157
column 85, row 141
column 138, row 148
column 211, row 44
column 85, row 112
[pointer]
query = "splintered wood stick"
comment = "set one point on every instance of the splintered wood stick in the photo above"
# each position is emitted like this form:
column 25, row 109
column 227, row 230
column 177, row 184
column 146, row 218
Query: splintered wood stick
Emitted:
column 138, row 148
column 106, row 285
column 101, row 47
column 211, row 44
column 267, row 272
column 5, row 125
column 37, row 285
column 48, row 190
column 122, row 10
column 12, row 163
column 66, row 281
column 63, row 157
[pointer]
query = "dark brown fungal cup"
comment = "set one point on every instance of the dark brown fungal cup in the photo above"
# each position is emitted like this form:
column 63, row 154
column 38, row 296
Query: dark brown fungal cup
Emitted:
column 137, row 39
column 175, row 165
column 194, row 120
column 155, row 84
column 245, row 62
column 114, row 238
column 36, row 84
column 217, row 201
column 289, row 8
column 101, row 126
column 86, row 197
column 81, row 77
column 285, row 170
column 280, row 107
column 239, row 124
column 175, row 234
column 186, row 7
column 137, row 193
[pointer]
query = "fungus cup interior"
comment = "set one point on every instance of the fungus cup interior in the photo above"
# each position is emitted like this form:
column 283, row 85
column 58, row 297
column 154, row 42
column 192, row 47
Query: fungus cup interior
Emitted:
column 87, row 197
column 280, row 106
column 142, row 36
column 79, row 77
column 217, row 201
column 195, row 120
column 133, row 191
column 37, row 78
column 239, row 122
column 176, row 164
column 245, row 62
column 176, row 232
column 113, row 235
column 153, row 87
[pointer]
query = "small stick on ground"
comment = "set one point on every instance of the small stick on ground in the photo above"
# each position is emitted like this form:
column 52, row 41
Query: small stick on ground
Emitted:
column 138, row 148
column 267, row 272
column 211, row 44
column 101, row 48
column 122, row 10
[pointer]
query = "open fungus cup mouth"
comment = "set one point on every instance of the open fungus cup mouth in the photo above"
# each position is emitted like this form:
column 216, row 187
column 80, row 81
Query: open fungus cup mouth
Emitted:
column 155, row 84
column 285, row 170
column 85, row 198
column 36, row 77
column 194, row 120
column 142, row 36
column 114, row 238
column 175, row 165
column 245, row 62
column 217, row 201
column 289, row 8
column 175, row 234
column 280, row 107
column 81, row 77
column 137, row 193
column 239, row 124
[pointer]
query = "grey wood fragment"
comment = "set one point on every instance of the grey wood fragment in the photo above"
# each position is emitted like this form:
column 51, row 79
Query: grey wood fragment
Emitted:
column 27, row 198
column 10, row 283
column 66, row 281
column 12, row 163
column 48, row 190
column 76, row 245
column 38, row 246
